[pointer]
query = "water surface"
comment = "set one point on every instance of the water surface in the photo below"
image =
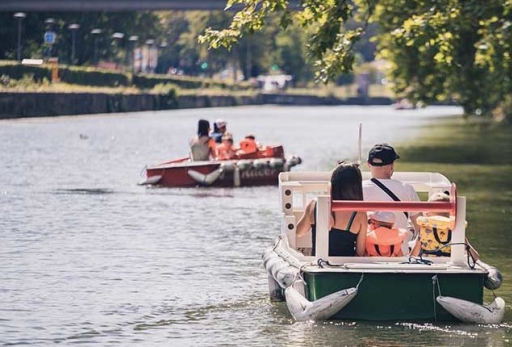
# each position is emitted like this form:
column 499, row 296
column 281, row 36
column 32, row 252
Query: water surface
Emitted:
column 89, row 257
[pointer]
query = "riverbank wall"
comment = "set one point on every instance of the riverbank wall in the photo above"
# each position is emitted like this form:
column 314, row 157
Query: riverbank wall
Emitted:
column 21, row 105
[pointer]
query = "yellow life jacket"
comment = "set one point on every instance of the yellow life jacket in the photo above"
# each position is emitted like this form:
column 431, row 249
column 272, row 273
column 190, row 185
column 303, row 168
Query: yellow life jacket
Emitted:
column 385, row 242
column 435, row 234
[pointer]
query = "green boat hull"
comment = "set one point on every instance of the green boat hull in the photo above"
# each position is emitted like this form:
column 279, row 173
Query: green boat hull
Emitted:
column 396, row 296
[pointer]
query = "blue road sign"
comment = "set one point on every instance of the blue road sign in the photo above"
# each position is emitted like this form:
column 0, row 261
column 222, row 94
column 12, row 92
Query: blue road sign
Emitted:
column 49, row 37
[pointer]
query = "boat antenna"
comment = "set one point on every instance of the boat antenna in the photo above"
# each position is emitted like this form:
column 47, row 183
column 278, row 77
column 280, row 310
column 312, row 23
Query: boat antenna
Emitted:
column 359, row 143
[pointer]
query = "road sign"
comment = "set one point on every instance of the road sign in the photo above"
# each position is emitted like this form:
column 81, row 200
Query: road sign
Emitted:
column 49, row 37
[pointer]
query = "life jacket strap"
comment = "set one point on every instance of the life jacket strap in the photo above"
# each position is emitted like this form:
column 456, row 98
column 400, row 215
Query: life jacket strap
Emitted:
column 436, row 236
column 388, row 192
column 391, row 251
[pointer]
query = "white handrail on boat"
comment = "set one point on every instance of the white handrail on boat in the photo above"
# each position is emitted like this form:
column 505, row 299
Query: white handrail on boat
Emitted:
column 322, row 226
column 459, row 233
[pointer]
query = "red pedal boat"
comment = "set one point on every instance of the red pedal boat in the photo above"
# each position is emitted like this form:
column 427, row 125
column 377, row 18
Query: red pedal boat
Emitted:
column 253, row 169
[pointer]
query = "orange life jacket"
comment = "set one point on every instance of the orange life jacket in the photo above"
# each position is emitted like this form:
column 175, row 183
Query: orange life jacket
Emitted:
column 212, row 144
column 225, row 152
column 385, row 242
column 248, row 146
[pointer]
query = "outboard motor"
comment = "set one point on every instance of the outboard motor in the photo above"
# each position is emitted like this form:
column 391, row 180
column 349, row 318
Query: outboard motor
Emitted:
column 291, row 162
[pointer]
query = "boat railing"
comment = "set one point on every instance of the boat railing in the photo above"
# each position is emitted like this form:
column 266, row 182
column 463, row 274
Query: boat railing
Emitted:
column 429, row 182
column 458, row 206
column 295, row 187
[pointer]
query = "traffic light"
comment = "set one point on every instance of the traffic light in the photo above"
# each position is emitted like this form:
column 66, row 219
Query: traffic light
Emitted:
column 204, row 66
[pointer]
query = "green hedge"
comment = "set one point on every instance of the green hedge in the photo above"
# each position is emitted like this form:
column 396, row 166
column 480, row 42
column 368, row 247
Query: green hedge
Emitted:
column 93, row 77
column 72, row 75
column 105, row 78
column 17, row 71
column 149, row 82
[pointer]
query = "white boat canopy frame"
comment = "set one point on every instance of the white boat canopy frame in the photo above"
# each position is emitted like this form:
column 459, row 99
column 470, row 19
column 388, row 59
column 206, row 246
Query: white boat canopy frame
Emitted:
column 294, row 185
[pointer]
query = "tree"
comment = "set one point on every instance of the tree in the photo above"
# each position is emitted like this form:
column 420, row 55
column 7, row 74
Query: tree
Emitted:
column 460, row 49
column 448, row 49
column 142, row 23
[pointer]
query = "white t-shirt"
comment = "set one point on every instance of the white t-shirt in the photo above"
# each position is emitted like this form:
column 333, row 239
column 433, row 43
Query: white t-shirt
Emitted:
column 404, row 191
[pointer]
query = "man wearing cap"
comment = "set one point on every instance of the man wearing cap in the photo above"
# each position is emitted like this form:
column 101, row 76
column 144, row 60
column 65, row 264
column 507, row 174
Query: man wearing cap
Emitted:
column 219, row 129
column 381, row 187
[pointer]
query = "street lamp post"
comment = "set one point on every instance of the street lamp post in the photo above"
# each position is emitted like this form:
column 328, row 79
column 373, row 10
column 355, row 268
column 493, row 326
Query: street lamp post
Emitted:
column 49, row 35
column 150, row 44
column 117, row 37
column 95, row 33
column 73, row 27
column 163, row 46
column 19, row 16
column 133, row 41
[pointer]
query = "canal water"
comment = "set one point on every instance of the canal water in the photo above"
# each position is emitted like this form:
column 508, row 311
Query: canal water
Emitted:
column 89, row 257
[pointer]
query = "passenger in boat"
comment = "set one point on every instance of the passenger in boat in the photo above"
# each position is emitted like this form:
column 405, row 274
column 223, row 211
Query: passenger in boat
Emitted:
column 347, row 234
column 436, row 233
column 383, row 240
column 226, row 150
column 219, row 129
column 202, row 147
column 381, row 187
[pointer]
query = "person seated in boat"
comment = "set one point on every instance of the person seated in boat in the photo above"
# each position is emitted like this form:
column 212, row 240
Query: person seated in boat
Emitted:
column 436, row 233
column 219, row 129
column 383, row 240
column 347, row 234
column 202, row 147
column 381, row 187
column 248, row 145
column 226, row 150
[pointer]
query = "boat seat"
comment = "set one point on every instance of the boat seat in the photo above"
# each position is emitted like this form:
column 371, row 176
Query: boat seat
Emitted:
column 290, row 226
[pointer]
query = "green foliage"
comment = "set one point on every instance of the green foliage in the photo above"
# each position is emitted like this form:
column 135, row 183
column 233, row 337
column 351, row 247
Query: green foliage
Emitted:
column 261, row 47
column 330, row 44
column 16, row 71
column 71, row 75
column 151, row 81
column 448, row 50
column 438, row 50
column 14, row 74
column 93, row 77
column 142, row 23
column 166, row 88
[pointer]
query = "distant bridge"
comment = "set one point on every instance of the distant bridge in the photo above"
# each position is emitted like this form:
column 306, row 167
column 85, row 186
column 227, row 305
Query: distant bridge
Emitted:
column 110, row 5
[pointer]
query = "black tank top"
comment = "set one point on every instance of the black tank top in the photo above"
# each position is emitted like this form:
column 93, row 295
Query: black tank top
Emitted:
column 341, row 242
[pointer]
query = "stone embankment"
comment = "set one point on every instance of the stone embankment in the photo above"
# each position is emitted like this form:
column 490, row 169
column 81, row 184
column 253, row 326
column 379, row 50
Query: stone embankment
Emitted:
column 18, row 105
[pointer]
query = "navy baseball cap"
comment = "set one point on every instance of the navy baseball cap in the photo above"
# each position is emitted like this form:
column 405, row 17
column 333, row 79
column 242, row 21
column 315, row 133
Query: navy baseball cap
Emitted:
column 384, row 153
